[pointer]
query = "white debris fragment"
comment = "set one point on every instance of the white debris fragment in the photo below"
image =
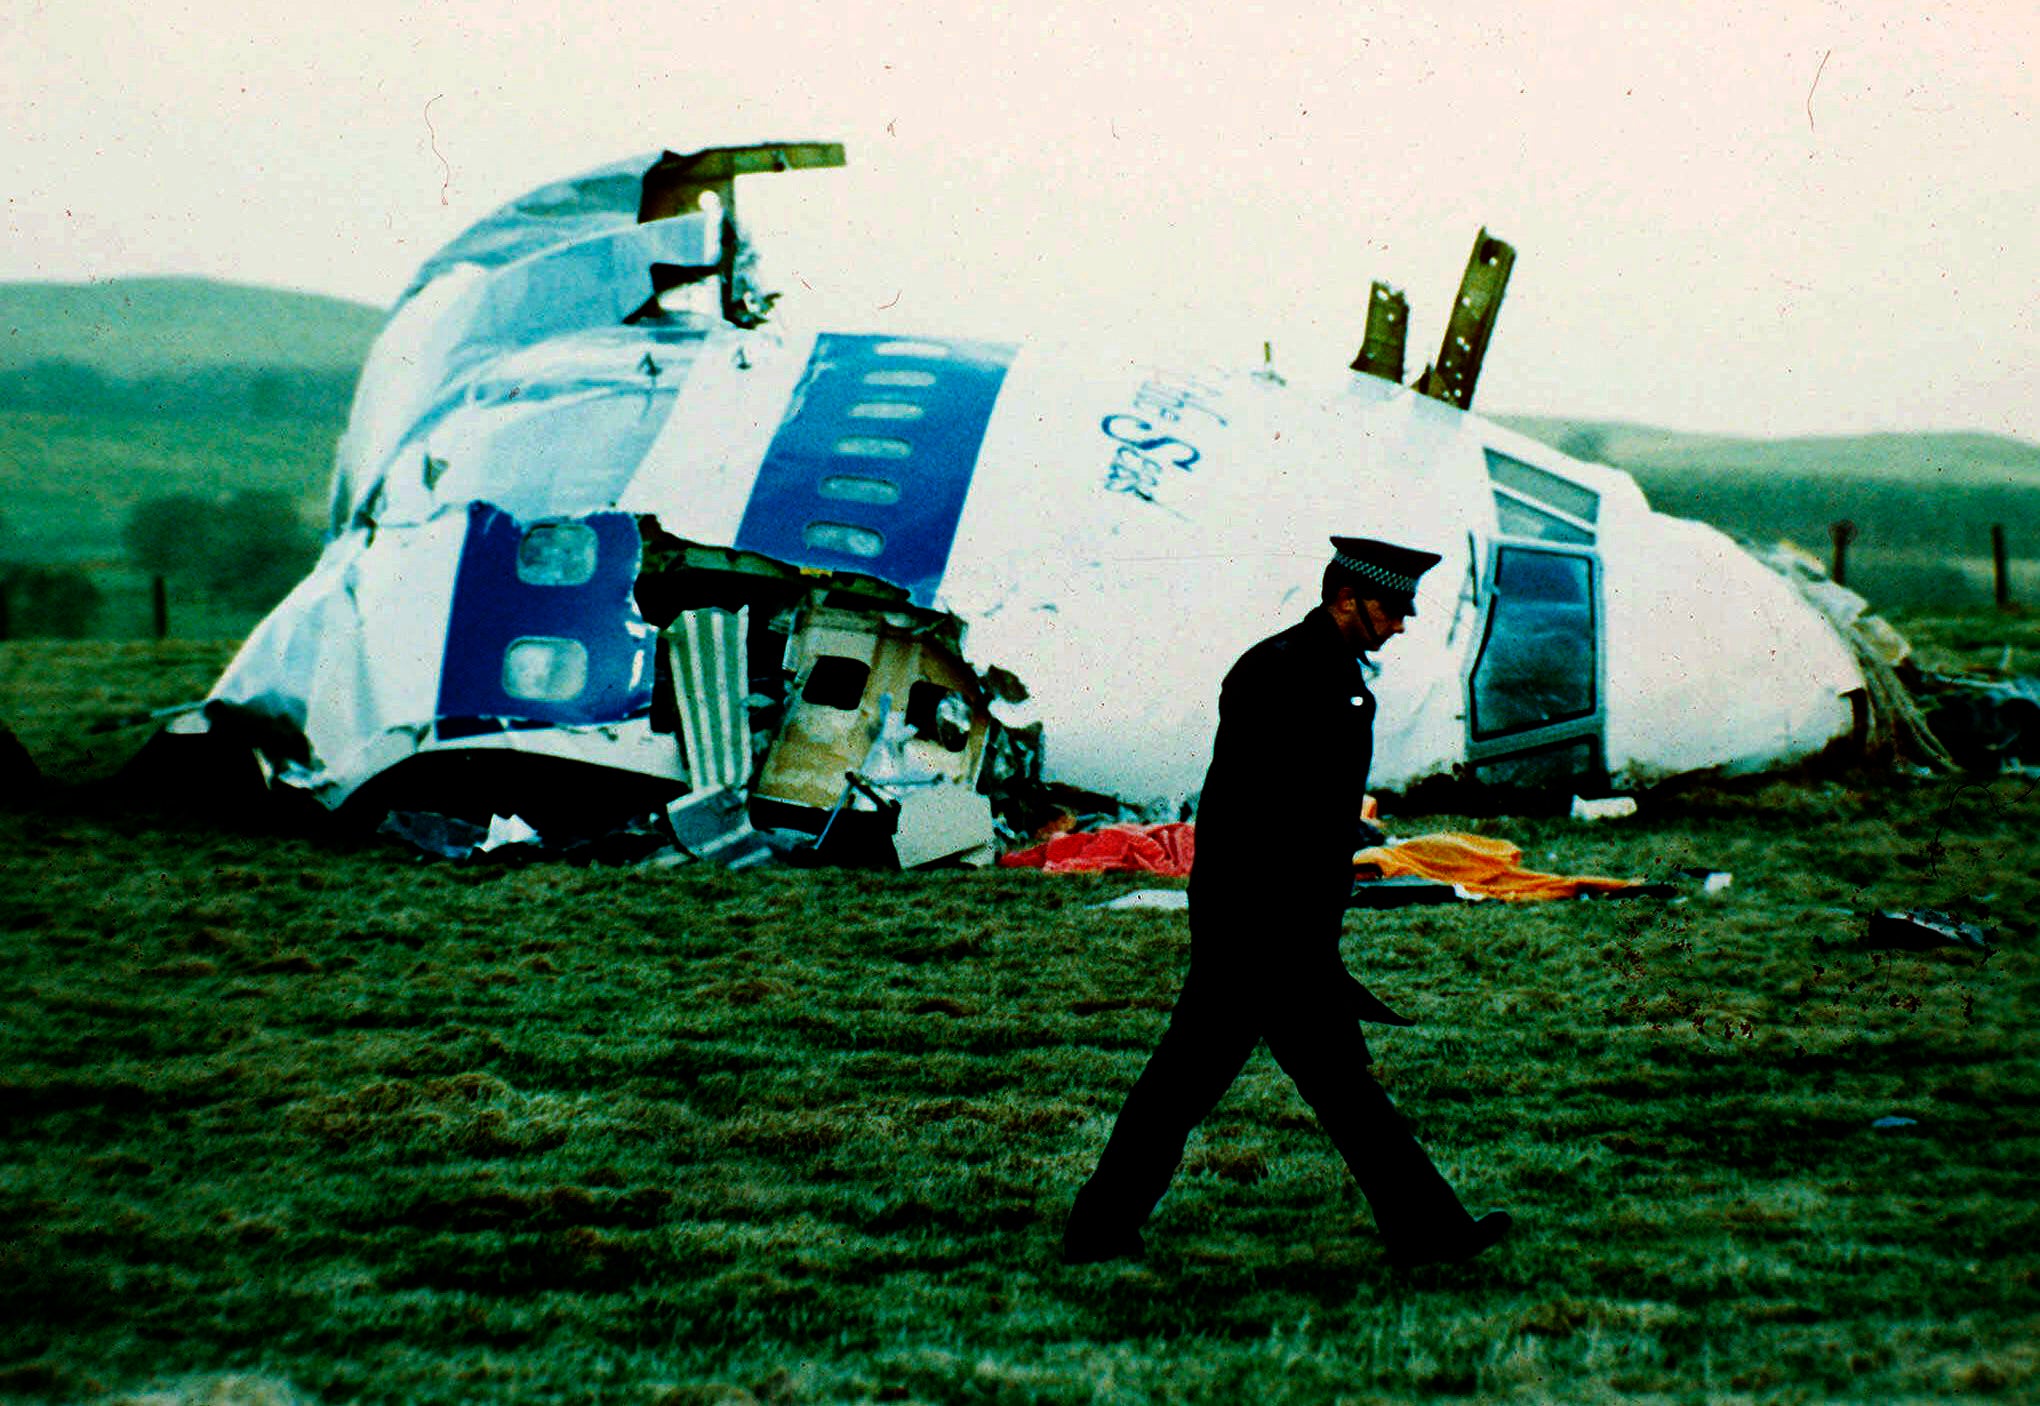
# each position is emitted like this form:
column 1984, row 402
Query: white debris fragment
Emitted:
column 1164, row 899
column 507, row 830
column 1608, row 808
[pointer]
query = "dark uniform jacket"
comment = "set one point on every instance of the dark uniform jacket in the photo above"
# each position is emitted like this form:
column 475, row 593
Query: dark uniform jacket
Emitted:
column 1279, row 817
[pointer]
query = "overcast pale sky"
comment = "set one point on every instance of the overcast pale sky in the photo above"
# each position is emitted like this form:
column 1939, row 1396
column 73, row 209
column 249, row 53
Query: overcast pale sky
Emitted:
column 1755, row 218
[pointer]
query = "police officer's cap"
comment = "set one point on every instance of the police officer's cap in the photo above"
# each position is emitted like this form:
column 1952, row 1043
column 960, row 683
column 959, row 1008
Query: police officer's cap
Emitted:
column 1383, row 568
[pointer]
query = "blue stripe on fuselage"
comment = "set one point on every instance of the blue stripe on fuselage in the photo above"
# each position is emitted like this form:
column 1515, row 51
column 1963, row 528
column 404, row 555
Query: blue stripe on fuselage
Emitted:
column 922, row 439
column 493, row 608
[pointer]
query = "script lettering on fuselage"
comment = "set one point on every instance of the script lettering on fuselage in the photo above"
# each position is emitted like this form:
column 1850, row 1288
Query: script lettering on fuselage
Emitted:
column 1148, row 444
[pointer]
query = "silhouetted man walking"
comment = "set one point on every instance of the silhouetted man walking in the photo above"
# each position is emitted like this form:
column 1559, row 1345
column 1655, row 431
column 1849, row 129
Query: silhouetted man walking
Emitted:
column 1277, row 826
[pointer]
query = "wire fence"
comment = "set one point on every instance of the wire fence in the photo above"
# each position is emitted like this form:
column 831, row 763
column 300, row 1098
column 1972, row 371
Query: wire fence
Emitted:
column 110, row 600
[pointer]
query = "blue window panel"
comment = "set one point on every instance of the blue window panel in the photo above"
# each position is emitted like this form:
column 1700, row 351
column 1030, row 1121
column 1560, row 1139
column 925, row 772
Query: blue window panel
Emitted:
column 830, row 430
column 493, row 609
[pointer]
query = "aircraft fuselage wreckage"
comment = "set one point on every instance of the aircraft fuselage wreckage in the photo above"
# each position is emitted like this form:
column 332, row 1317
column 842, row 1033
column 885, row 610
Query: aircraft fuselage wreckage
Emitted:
column 605, row 539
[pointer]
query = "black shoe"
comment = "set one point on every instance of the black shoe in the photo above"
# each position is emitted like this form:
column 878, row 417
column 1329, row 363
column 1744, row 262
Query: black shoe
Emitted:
column 1090, row 1251
column 1475, row 1237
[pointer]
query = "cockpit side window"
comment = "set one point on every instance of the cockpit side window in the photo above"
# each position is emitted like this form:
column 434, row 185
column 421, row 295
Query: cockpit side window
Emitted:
column 1537, row 665
column 1534, row 502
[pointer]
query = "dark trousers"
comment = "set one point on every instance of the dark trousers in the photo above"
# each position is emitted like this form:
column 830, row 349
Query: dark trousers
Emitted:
column 1215, row 1027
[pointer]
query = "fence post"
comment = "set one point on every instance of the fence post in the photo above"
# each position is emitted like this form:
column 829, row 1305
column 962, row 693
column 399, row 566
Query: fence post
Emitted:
column 160, row 598
column 2000, row 566
column 1844, row 532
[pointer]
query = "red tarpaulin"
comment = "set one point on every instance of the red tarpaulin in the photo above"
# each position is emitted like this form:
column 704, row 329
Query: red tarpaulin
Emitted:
column 1151, row 849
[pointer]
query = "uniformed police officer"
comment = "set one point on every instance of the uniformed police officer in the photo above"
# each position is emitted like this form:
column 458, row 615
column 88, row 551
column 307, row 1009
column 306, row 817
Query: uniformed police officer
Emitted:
column 1277, row 825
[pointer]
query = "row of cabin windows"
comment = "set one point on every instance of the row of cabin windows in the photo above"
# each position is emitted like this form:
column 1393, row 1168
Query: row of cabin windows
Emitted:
column 872, row 488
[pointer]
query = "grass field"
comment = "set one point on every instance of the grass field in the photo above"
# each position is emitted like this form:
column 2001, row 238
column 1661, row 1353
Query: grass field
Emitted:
column 296, row 1115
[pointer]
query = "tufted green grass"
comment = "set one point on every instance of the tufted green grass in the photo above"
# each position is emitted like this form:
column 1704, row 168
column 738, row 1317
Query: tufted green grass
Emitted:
column 290, row 1107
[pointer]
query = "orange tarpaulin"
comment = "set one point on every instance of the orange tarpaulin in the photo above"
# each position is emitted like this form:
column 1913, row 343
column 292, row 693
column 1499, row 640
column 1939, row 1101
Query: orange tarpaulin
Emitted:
column 1153, row 849
column 1478, row 864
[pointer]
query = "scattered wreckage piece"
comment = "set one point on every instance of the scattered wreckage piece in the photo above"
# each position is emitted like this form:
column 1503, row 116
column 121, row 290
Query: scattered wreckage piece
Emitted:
column 1987, row 725
column 511, row 837
column 1923, row 929
column 450, row 837
column 828, row 702
column 1149, row 900
column 1713, row 882
column 1886, row 718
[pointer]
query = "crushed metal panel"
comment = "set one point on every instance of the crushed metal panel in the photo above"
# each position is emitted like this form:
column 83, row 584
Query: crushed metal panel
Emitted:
column 1472, row 323
column 715, row 825
column 1388, row 327
column 706, row 649
column 940, row 822
column 677, row 185
column 834, row 715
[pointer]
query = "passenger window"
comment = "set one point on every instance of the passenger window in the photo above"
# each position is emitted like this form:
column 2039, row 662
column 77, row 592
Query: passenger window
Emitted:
column 1537, row 664
column 873, row 447
column 859, row 488
column 557, row 554
column 841, row 537
column 545, row 668
column 837, row 681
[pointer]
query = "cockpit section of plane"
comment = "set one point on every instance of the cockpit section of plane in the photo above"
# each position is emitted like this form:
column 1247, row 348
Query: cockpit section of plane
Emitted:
column 604, row 539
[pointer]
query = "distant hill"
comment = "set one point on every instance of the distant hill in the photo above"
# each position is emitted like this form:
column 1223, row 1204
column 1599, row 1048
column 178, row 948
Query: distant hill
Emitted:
column 113, row 393
column 1922, row 504
column 118, row 392
column 1918, row 459
column 133, row 329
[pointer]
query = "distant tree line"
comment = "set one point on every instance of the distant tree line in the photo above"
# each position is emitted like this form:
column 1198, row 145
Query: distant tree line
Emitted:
column 58, row 601
column 245, row 550
column 233, row 392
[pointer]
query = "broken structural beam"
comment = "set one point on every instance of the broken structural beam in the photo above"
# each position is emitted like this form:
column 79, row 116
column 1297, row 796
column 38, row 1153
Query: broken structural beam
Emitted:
column 675, row 185
column 1388, row 327
column 1457, row 370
